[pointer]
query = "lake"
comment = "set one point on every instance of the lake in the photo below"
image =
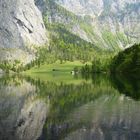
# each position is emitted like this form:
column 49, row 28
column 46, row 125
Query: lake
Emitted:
column 97, row 107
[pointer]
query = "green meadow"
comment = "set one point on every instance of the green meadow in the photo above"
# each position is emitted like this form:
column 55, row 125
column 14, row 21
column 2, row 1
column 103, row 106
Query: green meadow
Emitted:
column 57, row 72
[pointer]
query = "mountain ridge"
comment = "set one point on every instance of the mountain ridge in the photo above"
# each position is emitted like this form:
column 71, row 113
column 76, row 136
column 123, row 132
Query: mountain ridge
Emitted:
column 106, row 23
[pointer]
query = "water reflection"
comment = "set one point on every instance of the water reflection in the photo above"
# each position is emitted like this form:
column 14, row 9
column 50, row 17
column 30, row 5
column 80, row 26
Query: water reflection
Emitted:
column 128, row 85
column 98, row 108
column 109, row 117
column 22, row 114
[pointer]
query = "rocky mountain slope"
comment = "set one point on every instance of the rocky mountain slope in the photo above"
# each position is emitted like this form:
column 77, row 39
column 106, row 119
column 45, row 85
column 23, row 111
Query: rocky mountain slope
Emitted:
column 113, row 22
column 21, row 26
column 106, row 23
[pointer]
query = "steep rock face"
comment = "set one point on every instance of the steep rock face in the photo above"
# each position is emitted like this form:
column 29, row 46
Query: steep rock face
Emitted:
column 83, row 7
column 21, row 25
column 122, row 18
column 109, row 23
column 55, row 13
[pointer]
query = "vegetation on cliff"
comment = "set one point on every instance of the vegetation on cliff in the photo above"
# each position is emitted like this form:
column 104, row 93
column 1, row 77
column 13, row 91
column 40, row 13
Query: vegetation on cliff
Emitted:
column 127, row 61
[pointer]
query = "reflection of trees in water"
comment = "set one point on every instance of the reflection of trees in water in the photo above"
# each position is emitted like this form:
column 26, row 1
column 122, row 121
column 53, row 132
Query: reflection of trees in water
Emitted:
column 65, row 97
column 125, row 84
column 6, row 80
column 128, row 85
column 22, row 114
column 66, row 100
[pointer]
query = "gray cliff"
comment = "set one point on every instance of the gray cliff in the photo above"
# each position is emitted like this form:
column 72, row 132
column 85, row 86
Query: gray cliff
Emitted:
column 21, row 26
column 106, row 23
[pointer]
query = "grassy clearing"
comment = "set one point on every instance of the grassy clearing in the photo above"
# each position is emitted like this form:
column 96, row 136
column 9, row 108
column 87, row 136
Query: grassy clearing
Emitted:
column 57, row 67
column 62, row 72
column 58, row 78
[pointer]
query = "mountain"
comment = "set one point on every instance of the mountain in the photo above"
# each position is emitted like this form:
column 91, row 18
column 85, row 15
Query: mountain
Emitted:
column 103, row 24
column 21, row 26
column 108, row 24
column 127, row 61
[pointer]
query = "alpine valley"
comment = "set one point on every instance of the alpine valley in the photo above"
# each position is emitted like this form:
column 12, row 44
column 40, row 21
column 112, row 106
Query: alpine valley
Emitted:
column 111, row 25
column 69, row 69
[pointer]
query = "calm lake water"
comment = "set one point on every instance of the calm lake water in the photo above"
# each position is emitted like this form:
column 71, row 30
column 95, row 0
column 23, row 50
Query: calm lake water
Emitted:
column 89, row 108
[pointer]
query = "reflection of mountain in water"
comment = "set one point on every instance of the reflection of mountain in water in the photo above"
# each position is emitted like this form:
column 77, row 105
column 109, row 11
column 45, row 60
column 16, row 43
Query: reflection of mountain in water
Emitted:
column 22, row 114
column 92, row 110
column 108, row 118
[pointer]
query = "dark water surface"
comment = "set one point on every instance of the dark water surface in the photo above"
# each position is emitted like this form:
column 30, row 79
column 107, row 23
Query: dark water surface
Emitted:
column 97, row 108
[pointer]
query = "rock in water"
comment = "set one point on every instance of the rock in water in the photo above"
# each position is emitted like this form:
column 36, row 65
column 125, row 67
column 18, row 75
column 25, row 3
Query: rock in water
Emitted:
column 21, row 25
